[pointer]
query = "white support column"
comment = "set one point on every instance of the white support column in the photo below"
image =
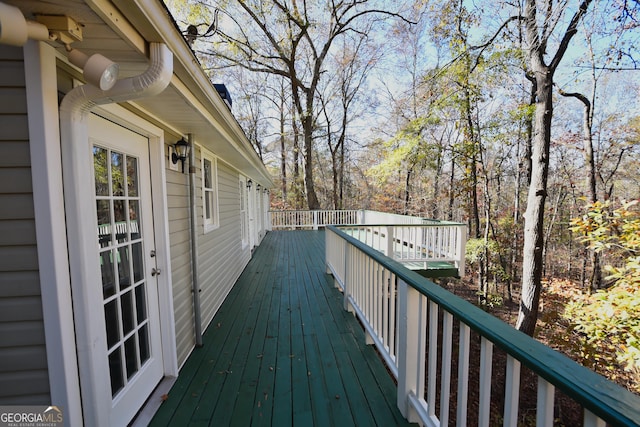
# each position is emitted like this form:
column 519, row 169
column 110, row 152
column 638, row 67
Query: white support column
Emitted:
column 50, row 223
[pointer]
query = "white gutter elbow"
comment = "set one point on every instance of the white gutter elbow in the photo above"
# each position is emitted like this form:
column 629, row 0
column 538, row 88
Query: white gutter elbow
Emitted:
column 153, row 81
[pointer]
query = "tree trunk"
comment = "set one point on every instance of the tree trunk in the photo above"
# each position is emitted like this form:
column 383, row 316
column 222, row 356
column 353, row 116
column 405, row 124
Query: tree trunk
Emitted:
column 407, row 191
column 532, row 257
column 595, row 279
column 296, row 187
column 312, row 198
column 341, row 198
column 283, row 155
column 334, row 173
column 452, row 177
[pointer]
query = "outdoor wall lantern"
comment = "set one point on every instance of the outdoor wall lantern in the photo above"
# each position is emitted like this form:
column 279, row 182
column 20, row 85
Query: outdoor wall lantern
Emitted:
column 180, row 151
column 249, row 184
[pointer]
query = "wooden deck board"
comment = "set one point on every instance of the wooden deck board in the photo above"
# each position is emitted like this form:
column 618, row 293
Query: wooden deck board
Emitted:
column 281, row 351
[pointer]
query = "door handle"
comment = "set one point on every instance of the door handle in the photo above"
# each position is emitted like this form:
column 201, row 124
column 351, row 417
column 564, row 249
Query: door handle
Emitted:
column 155, row 272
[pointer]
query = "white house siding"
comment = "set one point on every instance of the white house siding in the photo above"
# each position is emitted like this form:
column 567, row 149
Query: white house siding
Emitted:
column 178, row 206
column 222, row 257
column 23, row 361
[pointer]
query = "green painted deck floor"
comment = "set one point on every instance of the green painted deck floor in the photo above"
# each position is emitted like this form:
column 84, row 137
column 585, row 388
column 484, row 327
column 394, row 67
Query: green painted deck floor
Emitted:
column 282, row 351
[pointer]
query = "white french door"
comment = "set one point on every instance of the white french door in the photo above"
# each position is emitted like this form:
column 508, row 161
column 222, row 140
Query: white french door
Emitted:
column 126, row 254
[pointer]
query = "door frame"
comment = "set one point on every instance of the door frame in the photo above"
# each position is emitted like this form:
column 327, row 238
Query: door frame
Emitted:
column 91, row 340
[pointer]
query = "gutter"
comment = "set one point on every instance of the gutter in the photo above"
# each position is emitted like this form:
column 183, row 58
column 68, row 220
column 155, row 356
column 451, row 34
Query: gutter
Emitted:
column 76, row 160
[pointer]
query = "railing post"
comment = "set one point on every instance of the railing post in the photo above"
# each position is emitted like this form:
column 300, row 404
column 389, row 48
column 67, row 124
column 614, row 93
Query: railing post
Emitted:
column 328, row 244
column 315, row 220
column 390, row 241
column 410, row 334
column 348, row 269
column 460, row 253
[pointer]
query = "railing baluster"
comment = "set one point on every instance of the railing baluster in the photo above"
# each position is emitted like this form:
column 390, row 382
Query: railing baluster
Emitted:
column 511, row 392
column 411, row 335
column 591, row 420
column 544, row 409
column 432, row 371
column 393, row 319
column 385, row 308
column 368, row 289
column 445, row 382
column 486, row 362
column 463, row 375
column 378, row 300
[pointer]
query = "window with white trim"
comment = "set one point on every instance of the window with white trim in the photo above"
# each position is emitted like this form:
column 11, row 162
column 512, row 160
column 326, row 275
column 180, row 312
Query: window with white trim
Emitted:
column 210, row 214
column 243, row 212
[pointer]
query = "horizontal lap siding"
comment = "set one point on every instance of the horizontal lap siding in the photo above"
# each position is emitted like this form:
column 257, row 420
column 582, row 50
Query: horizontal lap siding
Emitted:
column 178, row 206
column 222, row 258
column 23, row 361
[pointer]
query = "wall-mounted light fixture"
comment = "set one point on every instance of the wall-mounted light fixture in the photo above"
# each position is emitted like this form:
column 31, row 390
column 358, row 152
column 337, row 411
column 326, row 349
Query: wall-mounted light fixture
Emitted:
column 97, row 70
column 180, row 152
column 249, row 184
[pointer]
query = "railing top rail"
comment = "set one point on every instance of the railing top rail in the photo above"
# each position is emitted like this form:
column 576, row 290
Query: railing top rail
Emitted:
column 424, row 220
column 315, row 210
column 426, row 224
column 594, row 392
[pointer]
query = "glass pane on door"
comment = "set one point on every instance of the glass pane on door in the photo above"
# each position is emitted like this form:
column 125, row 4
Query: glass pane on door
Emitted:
column 121, row 246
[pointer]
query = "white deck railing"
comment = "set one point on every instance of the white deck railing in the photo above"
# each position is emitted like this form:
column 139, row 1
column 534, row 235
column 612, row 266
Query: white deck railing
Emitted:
column 301, row 219
column 416, row 244
column 292, row 220
column 407, row 239
column 411, row 322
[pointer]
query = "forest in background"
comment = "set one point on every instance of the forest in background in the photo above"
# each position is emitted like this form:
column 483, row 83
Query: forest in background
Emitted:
column 519, row 119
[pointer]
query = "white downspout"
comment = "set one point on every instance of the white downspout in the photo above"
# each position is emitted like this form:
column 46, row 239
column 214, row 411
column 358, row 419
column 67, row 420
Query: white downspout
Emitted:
column 79, row 191
column 193, row 231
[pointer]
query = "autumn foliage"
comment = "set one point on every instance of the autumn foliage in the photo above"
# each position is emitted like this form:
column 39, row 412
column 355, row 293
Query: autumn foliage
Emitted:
column 607, row 322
